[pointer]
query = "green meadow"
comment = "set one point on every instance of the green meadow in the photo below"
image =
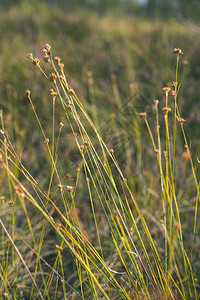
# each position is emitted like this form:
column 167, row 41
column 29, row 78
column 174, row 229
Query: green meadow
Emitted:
column 99, row 152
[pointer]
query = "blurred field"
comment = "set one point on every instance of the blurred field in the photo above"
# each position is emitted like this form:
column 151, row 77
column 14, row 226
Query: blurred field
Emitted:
column 117, row 64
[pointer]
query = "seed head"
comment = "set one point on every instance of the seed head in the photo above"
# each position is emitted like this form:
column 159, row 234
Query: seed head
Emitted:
column 59, row 248
column 174, row 84
column 46, row 58
column 59, row 186
column 58, row 59
column 142, row 115
column 30, row 55
column 47, row 47
column 185, row 156
column 46, row 141
column 27, row 93
column 185, row 62
column 19, row 191
column 180, row 120
column 52, row 77
column 156, row 102
column 35, row 61
column 166, row 90
column 167, row 109
column 178, row 51
column 62, row 77
column 61, row 65
column 69, row 188
column 53, row 93
column 111, row 151
column 173, row 93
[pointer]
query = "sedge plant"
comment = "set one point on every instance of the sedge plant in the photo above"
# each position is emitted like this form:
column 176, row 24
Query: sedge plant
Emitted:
column 116, row 257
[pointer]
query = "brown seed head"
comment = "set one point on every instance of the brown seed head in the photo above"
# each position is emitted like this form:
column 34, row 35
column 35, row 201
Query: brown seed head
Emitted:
column 167, row 109
column 59, row 186
column 62, row 77
column 173, row 93
column 111, row 151
column 59, row 248
column 27, row 93
column 58, row 59
column 61, row 65
column 185, row 62
column 74, row 214
column 68, row 176
column 166, row 90
column 178, row 51
column 69, row 188
column 46, row 58
column 19, row 191
column 53, row 93
column 47, row 47
column 52, row 77
column 46, row 141
column 35, row 61
column 174, row 84
column 180, row 120
column 185, row 156
column 30, row 55
column 177, row 225
column 142, row 115
column 156, row 102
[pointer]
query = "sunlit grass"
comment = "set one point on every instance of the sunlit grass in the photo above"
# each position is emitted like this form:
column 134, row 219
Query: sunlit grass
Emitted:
column 87, row 230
